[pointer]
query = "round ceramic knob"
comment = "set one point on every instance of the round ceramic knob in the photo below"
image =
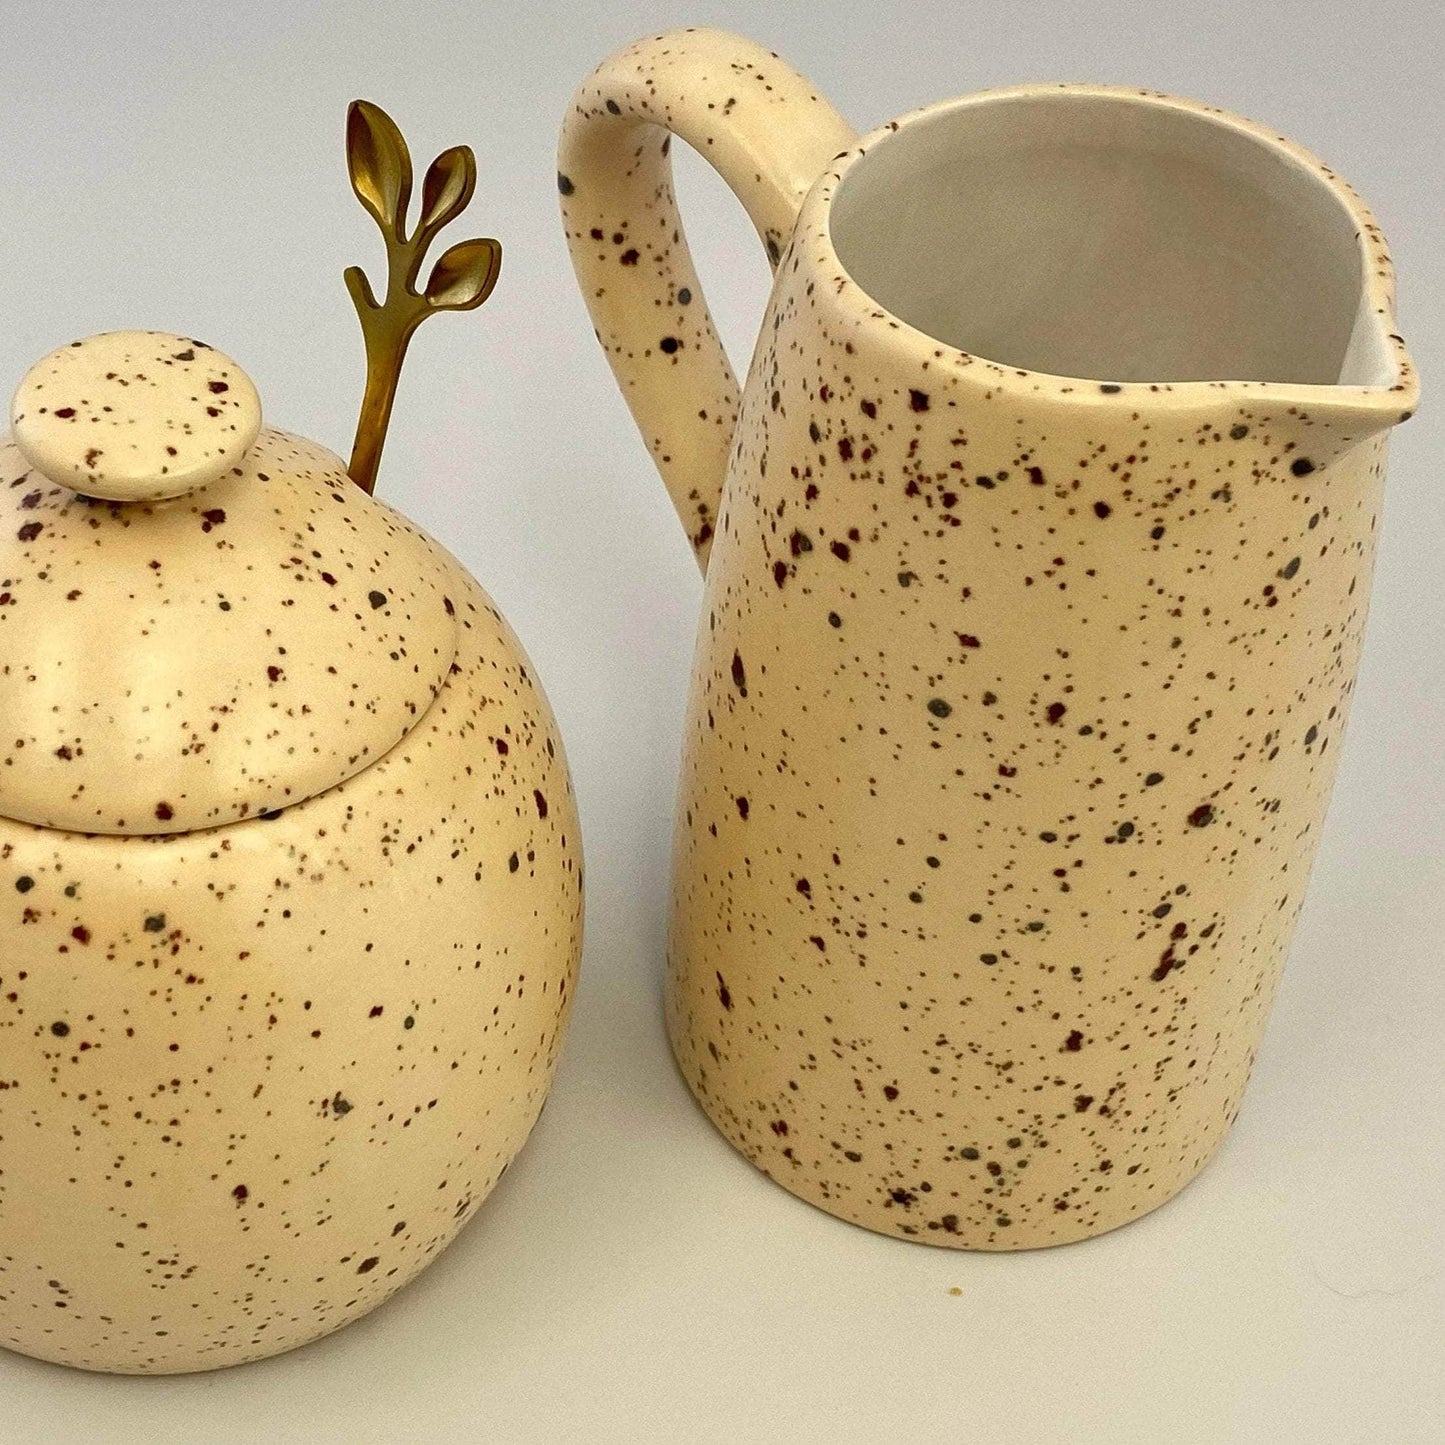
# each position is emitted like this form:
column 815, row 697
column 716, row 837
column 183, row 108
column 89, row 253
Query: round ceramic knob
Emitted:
column 135, row 416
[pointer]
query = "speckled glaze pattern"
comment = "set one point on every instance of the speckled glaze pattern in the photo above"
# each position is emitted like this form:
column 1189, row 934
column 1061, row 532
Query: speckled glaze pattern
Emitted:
column 253, row 1077
column 1016, row 707
column 267, row 636
column 135, row 416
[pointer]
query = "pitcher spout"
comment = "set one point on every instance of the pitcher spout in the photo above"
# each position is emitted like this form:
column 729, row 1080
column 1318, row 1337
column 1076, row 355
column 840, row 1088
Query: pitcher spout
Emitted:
column 1378, row 386
column 1377, row 389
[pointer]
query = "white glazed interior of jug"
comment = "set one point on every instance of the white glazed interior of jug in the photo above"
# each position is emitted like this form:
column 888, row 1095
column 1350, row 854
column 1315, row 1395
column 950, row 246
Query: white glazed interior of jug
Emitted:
column 1110, row 236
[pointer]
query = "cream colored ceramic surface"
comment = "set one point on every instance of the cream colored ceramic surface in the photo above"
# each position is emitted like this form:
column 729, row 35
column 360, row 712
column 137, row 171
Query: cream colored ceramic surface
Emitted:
column 170, row 665
column 254, row 1076
column 135, row 416
column 1018, row 696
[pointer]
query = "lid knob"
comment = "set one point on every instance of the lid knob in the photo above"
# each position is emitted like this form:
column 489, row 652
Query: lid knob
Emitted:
column 135, row 416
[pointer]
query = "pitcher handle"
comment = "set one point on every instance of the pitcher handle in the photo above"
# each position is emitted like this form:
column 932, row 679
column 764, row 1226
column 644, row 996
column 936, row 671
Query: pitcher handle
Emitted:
column 769, row 135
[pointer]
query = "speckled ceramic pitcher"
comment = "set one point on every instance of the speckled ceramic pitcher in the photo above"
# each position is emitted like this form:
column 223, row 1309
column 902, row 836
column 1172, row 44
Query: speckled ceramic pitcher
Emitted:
column 1041, row 540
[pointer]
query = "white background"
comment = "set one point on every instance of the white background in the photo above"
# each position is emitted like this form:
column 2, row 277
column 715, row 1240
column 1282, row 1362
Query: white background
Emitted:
column 180, row 166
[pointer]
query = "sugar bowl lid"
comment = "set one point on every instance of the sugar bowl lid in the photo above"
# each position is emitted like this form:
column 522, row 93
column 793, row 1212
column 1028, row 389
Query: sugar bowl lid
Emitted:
column 201, row 620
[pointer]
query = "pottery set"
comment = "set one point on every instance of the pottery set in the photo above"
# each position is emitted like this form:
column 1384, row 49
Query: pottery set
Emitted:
column 1037, row 550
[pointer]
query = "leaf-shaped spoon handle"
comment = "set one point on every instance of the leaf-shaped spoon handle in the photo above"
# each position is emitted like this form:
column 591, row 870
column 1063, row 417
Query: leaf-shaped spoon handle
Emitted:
column 380, row 165
column 464, row 275
column 446, row 188
column 381, row 175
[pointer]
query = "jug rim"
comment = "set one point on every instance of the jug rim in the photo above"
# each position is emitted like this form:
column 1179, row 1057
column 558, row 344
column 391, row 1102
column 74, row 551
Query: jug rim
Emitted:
column 1380, row 404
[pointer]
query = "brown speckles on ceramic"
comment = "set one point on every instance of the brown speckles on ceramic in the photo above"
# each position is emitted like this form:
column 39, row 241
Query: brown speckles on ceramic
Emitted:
column 174, row 665
column 749, row 114
column 255, row 1075
column 135, row 415
column 1016, row 704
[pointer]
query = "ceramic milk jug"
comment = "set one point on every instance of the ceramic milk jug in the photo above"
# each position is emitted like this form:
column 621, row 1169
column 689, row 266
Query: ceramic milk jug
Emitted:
column 289, row 878
column 1038, row 548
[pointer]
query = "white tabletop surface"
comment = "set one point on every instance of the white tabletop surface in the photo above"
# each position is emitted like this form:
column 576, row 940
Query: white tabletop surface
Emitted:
column 179, row 165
